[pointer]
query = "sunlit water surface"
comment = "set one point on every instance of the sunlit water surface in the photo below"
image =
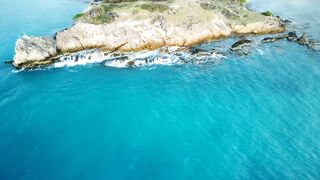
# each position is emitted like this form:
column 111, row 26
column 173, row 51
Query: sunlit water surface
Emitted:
column 248, row 117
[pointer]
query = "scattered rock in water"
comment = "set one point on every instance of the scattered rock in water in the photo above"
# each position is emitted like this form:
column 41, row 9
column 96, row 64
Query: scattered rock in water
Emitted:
column 269, row 40
column 274, row 39
column 8, row 62
column 292, row 36
column 240, row 44
column 302, row 40
column 130, row 64
column 286, row 21
column 313, row 43
column 119, row 56
column 196, row 50
column 76, row 58
column 282, row 36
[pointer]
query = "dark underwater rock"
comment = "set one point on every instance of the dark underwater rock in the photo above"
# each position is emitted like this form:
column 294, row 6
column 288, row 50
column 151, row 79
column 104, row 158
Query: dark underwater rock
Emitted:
column 292, row 36
column 240, row 44
column 196, row 50
column 269, row 40
column 274, row 39
column 8, row 62
column 286, row 21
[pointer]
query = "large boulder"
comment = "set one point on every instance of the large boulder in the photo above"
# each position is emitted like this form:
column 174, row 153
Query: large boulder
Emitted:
column 34, row 49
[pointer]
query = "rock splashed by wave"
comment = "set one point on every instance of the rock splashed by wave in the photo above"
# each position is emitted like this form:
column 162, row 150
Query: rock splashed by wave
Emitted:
column 163, row 56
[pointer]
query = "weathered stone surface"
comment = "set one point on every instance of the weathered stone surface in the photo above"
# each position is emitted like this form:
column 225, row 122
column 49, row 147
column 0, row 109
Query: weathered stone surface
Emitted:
column 30, row 49
column 269, row 26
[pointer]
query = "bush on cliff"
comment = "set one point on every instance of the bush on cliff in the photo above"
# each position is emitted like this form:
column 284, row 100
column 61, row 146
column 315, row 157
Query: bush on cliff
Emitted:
column 155, row 7
column 78, row 16
column 267, row 13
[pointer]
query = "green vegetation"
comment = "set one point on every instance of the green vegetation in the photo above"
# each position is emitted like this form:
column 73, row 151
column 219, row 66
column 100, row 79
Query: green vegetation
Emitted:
column 78, row 16
column 155, row 7
column 102, row 14
column 242, row 1
column 267, row 13
column 99, row 14
column 106, row 11
column 117, row 1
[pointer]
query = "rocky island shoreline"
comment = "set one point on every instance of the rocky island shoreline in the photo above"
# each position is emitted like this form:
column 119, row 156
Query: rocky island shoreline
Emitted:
column 110, row 27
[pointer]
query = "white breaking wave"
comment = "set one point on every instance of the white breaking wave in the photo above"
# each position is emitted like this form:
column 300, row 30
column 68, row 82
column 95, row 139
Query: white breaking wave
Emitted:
column 165, row 56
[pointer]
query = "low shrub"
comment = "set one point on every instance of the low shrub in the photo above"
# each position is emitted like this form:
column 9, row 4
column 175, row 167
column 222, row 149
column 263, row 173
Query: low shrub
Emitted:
column 78, row 16
column 155, row 7
column 267, row 13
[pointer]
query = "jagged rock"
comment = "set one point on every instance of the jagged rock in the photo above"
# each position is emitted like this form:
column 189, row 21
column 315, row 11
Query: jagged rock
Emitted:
column 131, row 64
column 240, row 44
column 286, row 21
column 269, row 40
column 313, row 43
column 29, row 49
column 196, row 50
column 302, row 40
column 282, row 36
column 292, row 36
column 274, row 39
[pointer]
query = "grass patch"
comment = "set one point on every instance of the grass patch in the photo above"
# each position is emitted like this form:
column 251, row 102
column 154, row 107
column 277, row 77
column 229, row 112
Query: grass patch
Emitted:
column 242, row 1
column 78, row 16
column 154, row 7
column 102, row 14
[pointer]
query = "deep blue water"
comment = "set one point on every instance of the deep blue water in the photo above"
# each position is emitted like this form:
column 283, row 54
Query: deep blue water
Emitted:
column 249, row 117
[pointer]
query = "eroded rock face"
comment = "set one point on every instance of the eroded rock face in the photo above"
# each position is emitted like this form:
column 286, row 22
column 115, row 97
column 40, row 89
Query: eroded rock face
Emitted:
column 270, row 26
column 32, row 49
column 140, row 35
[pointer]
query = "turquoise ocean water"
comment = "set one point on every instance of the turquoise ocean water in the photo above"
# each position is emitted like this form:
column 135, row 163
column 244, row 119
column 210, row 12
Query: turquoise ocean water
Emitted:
column 250, row 117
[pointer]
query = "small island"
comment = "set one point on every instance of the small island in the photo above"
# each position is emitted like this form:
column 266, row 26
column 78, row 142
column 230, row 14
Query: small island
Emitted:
column 134, row 25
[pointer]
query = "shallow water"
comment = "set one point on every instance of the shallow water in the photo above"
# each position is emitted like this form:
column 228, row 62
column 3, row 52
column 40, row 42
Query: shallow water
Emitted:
column 248, row 117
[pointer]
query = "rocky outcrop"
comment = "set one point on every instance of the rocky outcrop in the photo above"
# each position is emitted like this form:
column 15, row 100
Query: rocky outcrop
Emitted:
column 240, row 44
column 274, row 39
column 186, row 23
column 303, row 40
column 292, row 36
column 134, row 36
column 269, row 26
column 34, row 50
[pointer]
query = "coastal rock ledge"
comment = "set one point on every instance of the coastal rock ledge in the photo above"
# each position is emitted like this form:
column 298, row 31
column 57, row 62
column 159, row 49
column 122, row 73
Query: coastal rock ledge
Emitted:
column 134, row 27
